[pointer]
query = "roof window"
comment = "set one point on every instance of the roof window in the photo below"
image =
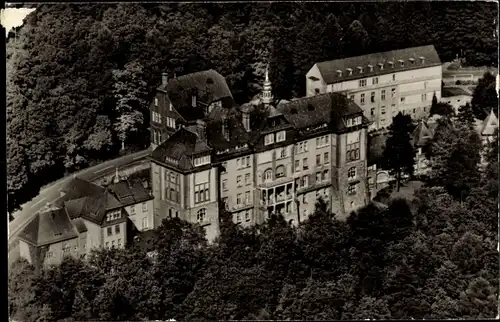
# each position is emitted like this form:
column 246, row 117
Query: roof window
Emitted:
column 350, row 71
column 360, row 69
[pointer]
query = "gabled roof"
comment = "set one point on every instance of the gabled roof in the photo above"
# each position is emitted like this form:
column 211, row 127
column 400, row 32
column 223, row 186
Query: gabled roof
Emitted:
column 48, row 227
column 208, row 86
column 324, row 108
column 237, row 135
column 180, row 147
column 422, row 134
column 78, row 188
column 92, row 208
column 129, row 193
column 489, row 124
column 328, row 69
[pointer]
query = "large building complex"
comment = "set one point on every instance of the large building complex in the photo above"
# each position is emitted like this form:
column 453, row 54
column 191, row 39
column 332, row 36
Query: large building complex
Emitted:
column 382, row 84
column 258, row 160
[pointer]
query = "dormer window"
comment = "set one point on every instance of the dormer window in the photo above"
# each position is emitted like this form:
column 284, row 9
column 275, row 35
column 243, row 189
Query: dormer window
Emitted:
column 411, row 60
column 156, row 101
column 401, row 62
column 392, row 64
column 349, row 70
column 360, row 69
column 201, row 161
column 353, row 121
column 371, row 68
column 193, row 100
column 339, row 73
column 422, row 60
column 381, row 65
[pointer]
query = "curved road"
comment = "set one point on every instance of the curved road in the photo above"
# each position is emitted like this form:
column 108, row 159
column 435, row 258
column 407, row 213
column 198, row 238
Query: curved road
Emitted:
column 51, row 192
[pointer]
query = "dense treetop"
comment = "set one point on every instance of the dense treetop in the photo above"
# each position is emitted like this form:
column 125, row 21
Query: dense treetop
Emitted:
column 80, row 76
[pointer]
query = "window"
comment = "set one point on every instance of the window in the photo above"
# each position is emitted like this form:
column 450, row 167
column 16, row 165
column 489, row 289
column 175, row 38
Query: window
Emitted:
column 132, row 210
column 269, row 139
column 351, row 173
column 156, row 117
column 144, row 222
column 247, row 197
column 382, row 110
column 362, row 98
column 372, row 97
column 107, row 244
column 238, row 218
column 156, row 101
column 170, row 213
column 382, row 95
column 225, row 202
column 280, row 136
column 351, row 189
column 413, row 111
column 268, row 175
column 144, row 207
column 247, row 216
column 110, row 231
column 318, row 159
column 372, row 112
column 176, row 214
column 402, row 99
column 393, row 92
column 117, row 229
column 280, row 171
column 297, row 165
column 351, row 97
column 119, row 242
column 247, row 179
column 393, row 77
column 318, row 176
column 305, row 166
column 423, row 97
column 375, row 80
column 172, row 186
column 305, row 146
column 201, row 161
column 238, row 181
column 316, row 90
column 201, row 215
column 170, row 105
column 325, row 175
column 352, row 147
column 201, row 192
column 238, row 199
column 243, row 162
column 282, row 153
column 402, row 63
column 326, row 158
column 224, row 184
column 305, row 181
column 362, row 82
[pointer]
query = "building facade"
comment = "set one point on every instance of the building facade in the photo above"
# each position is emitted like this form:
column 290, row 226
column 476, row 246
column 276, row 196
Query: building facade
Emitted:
column 257, row 160
column 382, row 84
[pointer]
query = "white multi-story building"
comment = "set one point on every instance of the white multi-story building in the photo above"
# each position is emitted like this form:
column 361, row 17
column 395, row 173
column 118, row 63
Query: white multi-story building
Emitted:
column 382, row 84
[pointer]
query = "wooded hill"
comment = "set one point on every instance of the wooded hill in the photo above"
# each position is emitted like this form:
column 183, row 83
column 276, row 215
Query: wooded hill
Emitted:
column 80, row 76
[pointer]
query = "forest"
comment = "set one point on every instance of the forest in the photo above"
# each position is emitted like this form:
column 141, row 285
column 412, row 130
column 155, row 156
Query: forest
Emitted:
column 80, row 76
column 431, row 257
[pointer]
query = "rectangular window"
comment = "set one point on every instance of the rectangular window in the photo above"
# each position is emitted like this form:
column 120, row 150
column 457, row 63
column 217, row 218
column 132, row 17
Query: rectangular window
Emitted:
column 238, row 181
column 247, row 216
column 393, row 92
column 144, row 207
column 382, row 110
column 372, row 97
column 305, row 146
column 119, row 242
column 280, row 136
column 201, row 192
column 172, row 186
column 247, row 179
column 269, row 139
column 353, row 147
column 393, row 77
column 362, row 82
column 117, row 229
column 112, row 244
column 305, row 181
column 375, row 80
column 280, row 172
column 362, row 98
column 144, row 222
column 326, row 158
column 297, row 165
column 318, row 159
column 402, row 99
column 247, row 197
column 326, row 173
column 201, row 161
column 351, row 188
column 282, row 153
column 318, row 176
column 110, row 231
column 351, row 97
column 305, row 166
column 156, row 101
column 224, row 184
column 238, row 199
column 424, row 97
column 382, row 95
column 372, row 111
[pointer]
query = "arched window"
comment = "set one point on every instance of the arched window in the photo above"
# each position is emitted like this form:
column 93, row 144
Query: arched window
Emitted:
column 351, row 173
column 268, row 175
column 201, row 215
column 170, row 213
column 280, row 171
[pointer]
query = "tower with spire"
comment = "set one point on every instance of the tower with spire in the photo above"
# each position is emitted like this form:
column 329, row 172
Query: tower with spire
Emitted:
column 267, row 95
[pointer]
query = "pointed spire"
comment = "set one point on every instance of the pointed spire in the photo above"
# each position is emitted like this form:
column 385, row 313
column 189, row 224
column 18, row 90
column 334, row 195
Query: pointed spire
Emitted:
column 267, row 74
column 267, row 96
column 117, row 176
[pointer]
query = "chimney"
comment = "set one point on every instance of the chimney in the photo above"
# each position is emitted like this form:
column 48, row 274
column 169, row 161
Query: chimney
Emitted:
column 164, row 79
column 225, row 129
column 246, row 121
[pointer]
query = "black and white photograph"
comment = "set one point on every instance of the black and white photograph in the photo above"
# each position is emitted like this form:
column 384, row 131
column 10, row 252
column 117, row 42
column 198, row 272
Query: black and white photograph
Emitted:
column 279, row 161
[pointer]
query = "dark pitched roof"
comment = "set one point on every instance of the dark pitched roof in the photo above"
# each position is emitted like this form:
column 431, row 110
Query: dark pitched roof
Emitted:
column 422, row 134
column 129, row 194
column 318, row 109
column 209, row 86
column 490, row 123
column 237, row 135
column 180, row 147
column 78, row 188
column 453, row 91
column 79, row 225
column 92, row 208
column 48, row 227
column 328, row 69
